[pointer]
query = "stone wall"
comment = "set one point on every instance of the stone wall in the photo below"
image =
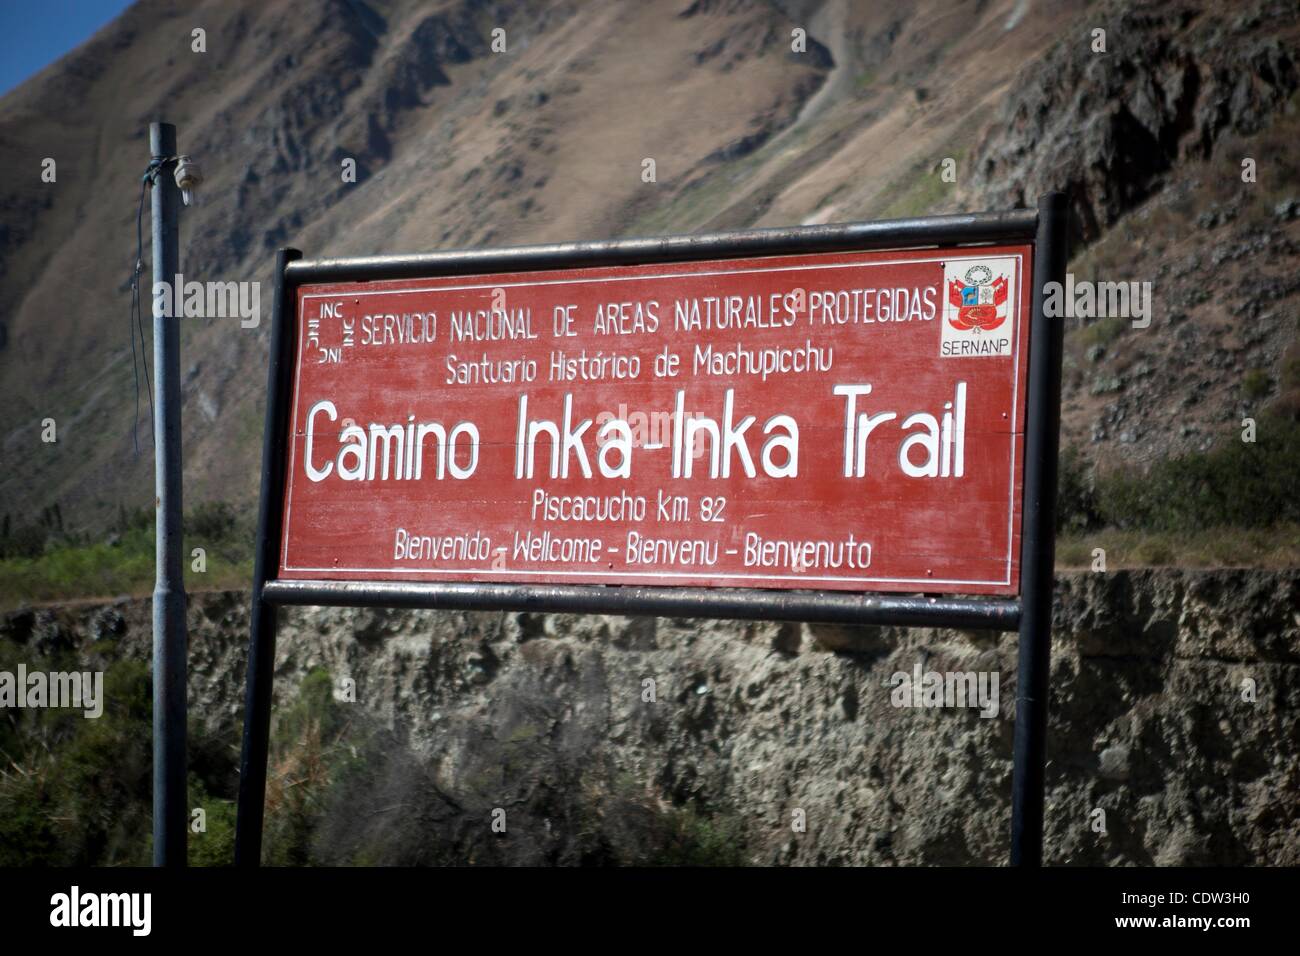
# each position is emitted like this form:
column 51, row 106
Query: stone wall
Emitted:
column 545, row 717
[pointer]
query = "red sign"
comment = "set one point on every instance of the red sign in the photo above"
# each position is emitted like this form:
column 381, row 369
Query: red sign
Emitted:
column 847, row 421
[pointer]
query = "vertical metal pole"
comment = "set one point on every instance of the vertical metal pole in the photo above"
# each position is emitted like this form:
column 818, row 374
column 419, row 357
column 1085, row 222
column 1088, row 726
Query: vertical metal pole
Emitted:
column 1038, row 540
column 261, row 645
column 169, row 637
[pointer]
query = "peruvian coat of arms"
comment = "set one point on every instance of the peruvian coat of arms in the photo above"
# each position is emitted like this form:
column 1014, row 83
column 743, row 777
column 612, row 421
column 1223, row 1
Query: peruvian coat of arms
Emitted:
column 979, row 300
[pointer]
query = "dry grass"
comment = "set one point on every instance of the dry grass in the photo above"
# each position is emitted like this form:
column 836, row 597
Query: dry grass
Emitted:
column 1277, row 547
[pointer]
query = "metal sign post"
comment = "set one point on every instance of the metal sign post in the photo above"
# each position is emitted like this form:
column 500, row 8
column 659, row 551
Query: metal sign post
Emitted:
column 1038, row 542
column 261, row 647
column 169, row 638
column 964, row 301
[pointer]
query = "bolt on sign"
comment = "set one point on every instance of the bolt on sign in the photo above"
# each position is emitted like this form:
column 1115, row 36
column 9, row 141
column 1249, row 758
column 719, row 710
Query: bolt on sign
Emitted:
column 846, row 421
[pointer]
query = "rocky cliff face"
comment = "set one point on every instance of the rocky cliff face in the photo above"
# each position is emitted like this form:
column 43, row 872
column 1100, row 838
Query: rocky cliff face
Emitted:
column 1107, row 121
column 1174, row 712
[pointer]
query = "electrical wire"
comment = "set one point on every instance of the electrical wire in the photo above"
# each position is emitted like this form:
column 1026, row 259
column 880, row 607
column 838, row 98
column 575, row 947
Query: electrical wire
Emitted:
column 136, row 321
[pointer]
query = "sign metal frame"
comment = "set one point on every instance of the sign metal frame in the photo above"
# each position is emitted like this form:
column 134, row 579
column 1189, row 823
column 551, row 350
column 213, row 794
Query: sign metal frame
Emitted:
column 1030, row 614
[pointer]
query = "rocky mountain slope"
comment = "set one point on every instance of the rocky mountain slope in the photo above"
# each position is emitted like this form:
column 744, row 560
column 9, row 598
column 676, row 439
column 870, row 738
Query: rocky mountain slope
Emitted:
column 458, row 145
column 1151, row 140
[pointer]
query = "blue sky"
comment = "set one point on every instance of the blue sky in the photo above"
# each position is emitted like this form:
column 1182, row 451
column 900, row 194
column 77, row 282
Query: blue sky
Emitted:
column 35, row 33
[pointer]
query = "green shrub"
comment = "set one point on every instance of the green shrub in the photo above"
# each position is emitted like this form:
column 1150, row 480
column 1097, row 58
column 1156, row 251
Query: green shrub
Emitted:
column 22, row 540
column 27, row 808
column 308, row 748
column 216, row 845
column 211, row 522
column 79, row 792
column 1236, row 484
column 1103, row 331
column 696, row 840
column 1076, row 496
column 1290, row 372
column 37, row 564
column 1256, row 384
